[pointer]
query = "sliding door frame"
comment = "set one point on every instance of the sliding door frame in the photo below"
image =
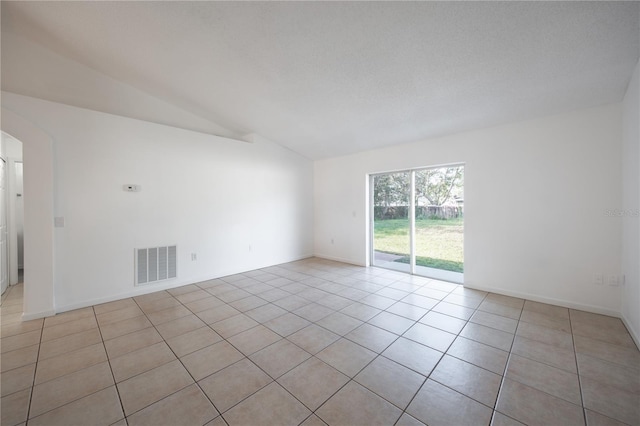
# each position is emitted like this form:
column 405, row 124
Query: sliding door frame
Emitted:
column 412, row 211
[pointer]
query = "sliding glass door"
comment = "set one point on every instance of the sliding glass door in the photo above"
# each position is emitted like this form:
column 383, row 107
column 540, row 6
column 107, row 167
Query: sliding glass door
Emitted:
column 391, row 193
column 417, row 221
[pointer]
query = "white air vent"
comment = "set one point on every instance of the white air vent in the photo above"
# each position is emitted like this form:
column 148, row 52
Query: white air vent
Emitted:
column 155, row 264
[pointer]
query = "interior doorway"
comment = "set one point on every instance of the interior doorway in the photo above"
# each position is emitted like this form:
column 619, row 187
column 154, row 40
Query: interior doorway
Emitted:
column 4, row 252
column 11, row 212
column 417, row 221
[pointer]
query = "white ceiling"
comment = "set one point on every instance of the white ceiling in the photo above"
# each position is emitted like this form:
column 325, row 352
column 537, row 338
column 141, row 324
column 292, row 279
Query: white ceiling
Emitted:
column 331, row 78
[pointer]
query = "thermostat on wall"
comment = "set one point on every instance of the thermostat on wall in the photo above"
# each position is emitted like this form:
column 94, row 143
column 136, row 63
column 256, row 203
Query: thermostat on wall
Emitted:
column 131, row 187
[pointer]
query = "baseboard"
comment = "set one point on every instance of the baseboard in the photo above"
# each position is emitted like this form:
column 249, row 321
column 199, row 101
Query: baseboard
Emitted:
column 632, row 331
column 548, row 300
column 28, row 316
column 152, row 288
column 339, row 259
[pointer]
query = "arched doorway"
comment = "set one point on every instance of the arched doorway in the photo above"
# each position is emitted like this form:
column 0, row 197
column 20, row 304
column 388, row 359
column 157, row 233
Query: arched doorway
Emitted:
column 38, row 214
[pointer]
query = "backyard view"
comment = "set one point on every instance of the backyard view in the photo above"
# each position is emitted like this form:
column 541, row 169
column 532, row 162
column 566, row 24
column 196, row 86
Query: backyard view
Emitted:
column 438, row 242
column 439, row 218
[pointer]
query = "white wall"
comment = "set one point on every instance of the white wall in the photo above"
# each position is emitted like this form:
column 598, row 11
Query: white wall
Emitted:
column 631, row 207
column 209, row 195
column 535, row 199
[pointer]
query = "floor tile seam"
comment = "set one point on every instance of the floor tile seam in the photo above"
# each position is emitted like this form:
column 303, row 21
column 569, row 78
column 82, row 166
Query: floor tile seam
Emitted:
column 635, row 370
column 544, row 343
column 506, row 415
column 325, row 401
column 15, row 322
column 17, row 334
column 29, row 419
column 580, row 334
column 545, row 363
column 287, row 371
column 360, row 370
column 546, row 315
column 524, row 308
column 69, row 334
column 544, row 392
column 334, row 332
column 46, row 326
column 113, row 377
column 430, row 347
column 33, row 384
column 479, row 309
column 154, row 402
column 229, row 343
column 262, row 323
column 506, row 367
column 121, row 320
column 115, row 310
column 376, row 393
column 20, row 349
column 506, row 376
column 491, row 407
column 404, row 410
column 494, row 328
column 176, row 358
column 617, row 421
column 24, row 388
column 541, row 325
column 74, row 371
column 475, row 365
column 575, row 355
column 384, row 349
column 142, row 372
column 124, row 334
column 458, row 334
column 272, row 380
column 179, row 359
column 592, row 355
column 412, row 369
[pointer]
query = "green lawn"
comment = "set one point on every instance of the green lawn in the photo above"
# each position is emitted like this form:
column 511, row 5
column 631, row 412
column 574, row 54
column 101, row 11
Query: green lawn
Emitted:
column 438, row 242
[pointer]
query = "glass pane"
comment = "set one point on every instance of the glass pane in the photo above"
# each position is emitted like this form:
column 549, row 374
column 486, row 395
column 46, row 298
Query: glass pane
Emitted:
column 440, row 222
column 391, row 241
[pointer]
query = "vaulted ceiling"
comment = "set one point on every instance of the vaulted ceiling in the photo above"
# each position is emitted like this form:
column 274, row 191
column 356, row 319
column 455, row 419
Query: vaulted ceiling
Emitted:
column 332, row 78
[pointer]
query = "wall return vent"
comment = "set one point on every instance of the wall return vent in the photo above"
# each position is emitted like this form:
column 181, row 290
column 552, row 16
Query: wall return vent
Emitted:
column 155, row 264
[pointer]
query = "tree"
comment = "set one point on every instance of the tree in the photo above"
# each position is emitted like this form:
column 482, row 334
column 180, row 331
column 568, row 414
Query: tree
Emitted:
column 391, row 190
column 439, row 186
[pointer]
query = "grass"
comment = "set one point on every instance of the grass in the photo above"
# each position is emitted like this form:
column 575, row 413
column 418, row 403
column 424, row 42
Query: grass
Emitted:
column 438, row 242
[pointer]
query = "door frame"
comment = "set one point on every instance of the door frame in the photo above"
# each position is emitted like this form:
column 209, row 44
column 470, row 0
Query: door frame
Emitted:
column 412, row 220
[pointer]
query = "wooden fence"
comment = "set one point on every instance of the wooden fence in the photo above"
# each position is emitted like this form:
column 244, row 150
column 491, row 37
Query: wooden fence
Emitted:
column 422, row 212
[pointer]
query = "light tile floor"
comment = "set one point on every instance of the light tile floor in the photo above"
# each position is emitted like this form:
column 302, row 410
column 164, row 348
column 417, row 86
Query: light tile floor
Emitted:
column 315, row 342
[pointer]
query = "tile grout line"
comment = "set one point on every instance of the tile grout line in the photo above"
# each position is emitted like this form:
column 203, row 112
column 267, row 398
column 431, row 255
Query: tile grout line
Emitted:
column 443, row 355
column 115, row 383
column 313, row 412
column 575, row 355
column 177, row 358
column 506, row 368
column 35, row 371
column 342, row 277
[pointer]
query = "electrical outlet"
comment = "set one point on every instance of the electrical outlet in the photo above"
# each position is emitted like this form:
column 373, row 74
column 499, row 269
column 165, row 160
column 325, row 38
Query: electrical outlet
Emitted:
column 598, row 279
column 332, row 241
column 614, row 280
column 194, row 257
